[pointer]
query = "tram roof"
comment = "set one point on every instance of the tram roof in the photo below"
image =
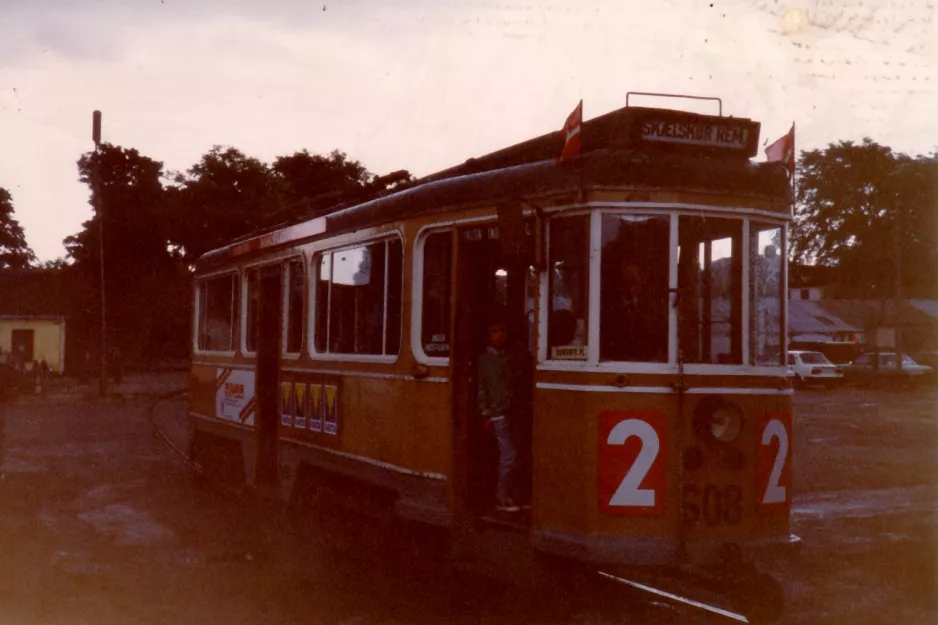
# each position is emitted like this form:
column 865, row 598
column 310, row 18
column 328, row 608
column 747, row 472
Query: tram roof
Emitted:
column 632, row 147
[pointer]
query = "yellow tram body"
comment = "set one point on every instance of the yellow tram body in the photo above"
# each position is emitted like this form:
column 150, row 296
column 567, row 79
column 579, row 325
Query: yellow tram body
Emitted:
column 640, row 461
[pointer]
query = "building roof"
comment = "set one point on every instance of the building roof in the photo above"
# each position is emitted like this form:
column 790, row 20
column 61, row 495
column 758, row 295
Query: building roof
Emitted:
column 868, row 313
column 809, row 317
column 927, row 306
column 34, row 293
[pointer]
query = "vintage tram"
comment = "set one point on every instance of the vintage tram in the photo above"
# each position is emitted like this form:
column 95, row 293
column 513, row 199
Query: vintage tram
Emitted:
column 644, row 281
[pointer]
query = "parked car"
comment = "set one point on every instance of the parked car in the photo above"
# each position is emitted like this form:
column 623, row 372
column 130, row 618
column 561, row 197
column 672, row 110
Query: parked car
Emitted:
column 811, row 367
column 928, row 359
column 866, row 369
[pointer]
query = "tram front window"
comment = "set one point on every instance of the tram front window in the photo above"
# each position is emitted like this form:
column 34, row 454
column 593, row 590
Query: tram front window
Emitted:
column 569, row 288
column 766, row 326
column 634, row 288
column 710, row 285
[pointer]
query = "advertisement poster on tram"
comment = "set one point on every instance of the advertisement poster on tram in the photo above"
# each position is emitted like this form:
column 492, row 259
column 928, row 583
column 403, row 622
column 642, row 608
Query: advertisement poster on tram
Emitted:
column 286, row 404
column 234, row 395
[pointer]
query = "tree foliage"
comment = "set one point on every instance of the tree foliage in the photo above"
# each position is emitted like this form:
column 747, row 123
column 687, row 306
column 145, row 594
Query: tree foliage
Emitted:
column 156, row 225
column 228, row 194
column 225, row 195
column 14, row 252
column 304, row 177
column 860, row 208
column 127, row 197
column 127, row 194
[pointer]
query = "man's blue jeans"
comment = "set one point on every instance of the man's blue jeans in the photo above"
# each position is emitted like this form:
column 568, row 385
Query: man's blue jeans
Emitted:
column 506, row 457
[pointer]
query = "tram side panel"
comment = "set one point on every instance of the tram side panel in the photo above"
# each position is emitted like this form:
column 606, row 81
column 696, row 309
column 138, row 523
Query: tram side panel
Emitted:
column 382, row 420
column 380, row 428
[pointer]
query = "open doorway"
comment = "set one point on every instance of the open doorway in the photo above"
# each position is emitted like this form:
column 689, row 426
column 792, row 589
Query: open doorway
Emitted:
column 490, row 285
column 269, row 308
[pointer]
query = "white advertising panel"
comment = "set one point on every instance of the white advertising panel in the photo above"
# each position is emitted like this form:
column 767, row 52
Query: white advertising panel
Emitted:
column 234, row 395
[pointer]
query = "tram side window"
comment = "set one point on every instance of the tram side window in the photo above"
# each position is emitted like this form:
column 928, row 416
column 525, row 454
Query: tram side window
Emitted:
column 323, row 279
column 568, row 288
column 217, row 313
column 296, row 290
column 252, row 281
column 710, row 284
column 634, row 288
column 766, row 326
column 353, row 302
column 437, row 291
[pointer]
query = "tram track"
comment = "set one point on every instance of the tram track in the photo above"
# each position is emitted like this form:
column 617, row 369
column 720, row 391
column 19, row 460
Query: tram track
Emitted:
column 674, row 600
column 163, row 437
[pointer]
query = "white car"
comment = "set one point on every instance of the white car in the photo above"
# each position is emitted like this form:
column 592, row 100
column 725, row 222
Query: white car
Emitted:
column 814, row 368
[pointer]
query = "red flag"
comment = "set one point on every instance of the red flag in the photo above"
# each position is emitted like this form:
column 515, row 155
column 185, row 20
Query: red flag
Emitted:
column 783, row 150
column 571, row 131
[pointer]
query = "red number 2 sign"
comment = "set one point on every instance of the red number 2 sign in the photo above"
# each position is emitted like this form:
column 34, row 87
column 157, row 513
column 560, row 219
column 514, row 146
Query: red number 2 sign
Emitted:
column 773, row 461
column 632, row 468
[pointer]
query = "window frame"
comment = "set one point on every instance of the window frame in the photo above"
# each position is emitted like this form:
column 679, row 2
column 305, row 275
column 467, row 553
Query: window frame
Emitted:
column 783, row 289
column 197, row 312
column 671, row 358
column 304, row 315
column 593, row 361
column 283, row 262
column 596, row 210
column 416, row 317
column 544, row 347
column 738, row 334
column 243, row 294
column 313, row 298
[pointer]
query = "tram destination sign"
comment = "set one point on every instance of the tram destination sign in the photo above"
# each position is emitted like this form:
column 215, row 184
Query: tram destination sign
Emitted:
column 681, row 130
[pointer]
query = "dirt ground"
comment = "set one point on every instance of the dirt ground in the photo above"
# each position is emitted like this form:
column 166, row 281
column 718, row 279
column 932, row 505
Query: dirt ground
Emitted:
column 102, row 524
column 866, row 507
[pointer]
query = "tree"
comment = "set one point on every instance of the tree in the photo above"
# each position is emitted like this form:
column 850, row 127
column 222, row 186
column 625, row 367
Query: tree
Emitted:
column 144, row 316
column 223, row 196
column 14, row 252
column 156, row 225
column 306, row 176
column 58, row 263
column 227, row 195
column 855, row 205
column 127, row 193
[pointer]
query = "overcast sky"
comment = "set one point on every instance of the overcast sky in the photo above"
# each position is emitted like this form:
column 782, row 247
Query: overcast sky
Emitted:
column 424, row 84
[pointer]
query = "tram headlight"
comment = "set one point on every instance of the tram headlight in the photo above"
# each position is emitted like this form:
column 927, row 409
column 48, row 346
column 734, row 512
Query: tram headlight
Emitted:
column 725, row 423
column 717, row 420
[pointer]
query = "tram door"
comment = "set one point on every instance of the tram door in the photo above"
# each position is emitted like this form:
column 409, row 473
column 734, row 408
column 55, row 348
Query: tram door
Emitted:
column 269, row 322
column 490, row 280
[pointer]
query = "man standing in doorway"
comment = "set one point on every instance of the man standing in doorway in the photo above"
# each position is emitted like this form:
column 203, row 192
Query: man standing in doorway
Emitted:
column 500, row 380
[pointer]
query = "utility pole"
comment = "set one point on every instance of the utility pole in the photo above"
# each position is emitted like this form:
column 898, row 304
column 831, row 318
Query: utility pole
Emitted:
column 897, row 259
column 99, row 196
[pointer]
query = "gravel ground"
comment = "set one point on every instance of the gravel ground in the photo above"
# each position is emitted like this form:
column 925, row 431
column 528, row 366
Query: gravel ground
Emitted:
column 103, row 524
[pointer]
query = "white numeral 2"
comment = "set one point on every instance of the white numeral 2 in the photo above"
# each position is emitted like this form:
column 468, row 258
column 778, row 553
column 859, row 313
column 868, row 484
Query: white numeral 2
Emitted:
column 629, row 493
column 775, row 492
